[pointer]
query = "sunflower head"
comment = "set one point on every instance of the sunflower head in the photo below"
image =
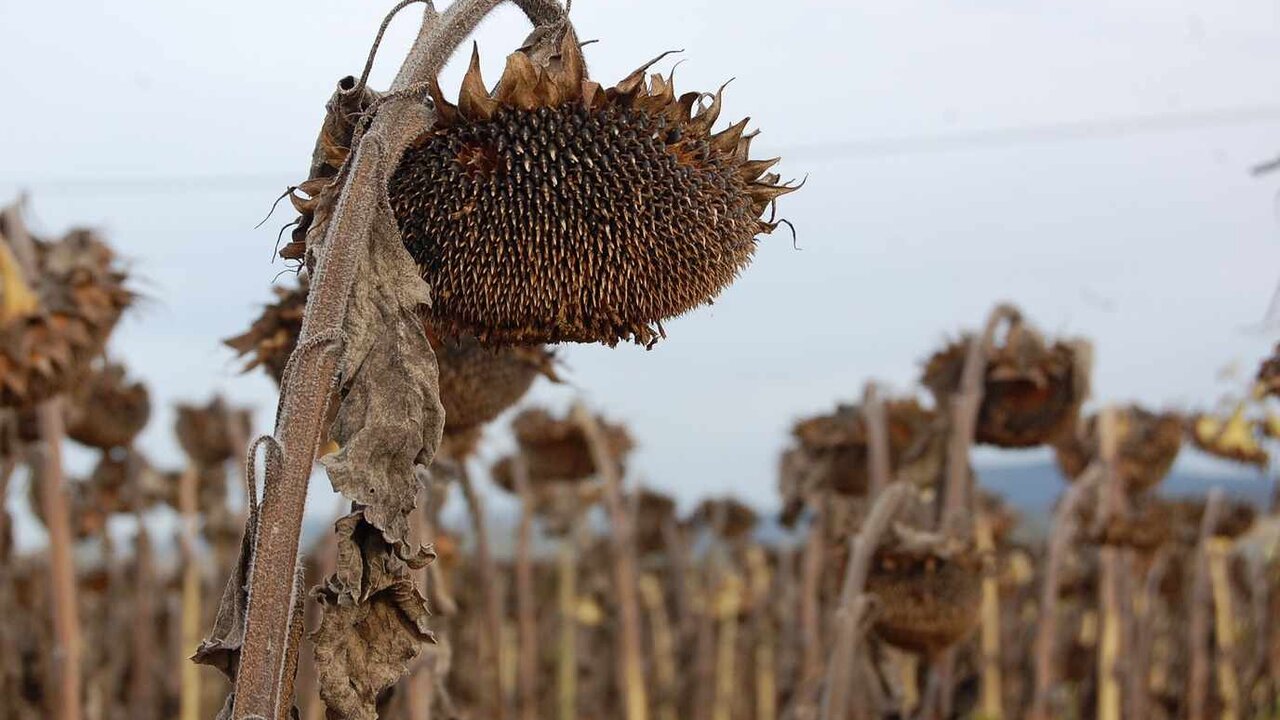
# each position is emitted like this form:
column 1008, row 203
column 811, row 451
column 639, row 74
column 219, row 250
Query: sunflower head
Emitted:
column 554, row 209
column 1032, row 389
column 1149, row 443
column 75, row 299
column 929, row 596
column 556, row 450
column 108, row 410
column 834, row 446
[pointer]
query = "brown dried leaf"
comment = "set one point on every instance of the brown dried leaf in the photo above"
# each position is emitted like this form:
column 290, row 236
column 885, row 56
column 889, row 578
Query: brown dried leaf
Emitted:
column 391, row 412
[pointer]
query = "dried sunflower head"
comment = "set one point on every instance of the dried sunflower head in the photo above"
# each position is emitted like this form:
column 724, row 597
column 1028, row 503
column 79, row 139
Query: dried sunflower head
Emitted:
column 556, row 450
column 210, row 434
column 1146, row 526
column 1032, row 389
column 1237, row 518
column 654, row 511
column 552, row 209
column 1232, row 438
column 1148, row 446
column 835, row 447
column 726, row 517
column 46, row 345
column 929, row 594
column 477, row 383
column 107, row 410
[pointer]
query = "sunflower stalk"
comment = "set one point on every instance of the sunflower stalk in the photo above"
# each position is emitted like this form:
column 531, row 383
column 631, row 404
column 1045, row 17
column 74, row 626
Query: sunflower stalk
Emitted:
column 567, row 591
column 1062, row 537
column 491, row 635
column 343, row 245
column 1111, row 505
column 525, row 608
column 766, row 676
column 1219, row 553
column 49, row 473
column 664, row 650
column 631, row 660
column 1201, row 601
column 189, row 698
column 992, row 700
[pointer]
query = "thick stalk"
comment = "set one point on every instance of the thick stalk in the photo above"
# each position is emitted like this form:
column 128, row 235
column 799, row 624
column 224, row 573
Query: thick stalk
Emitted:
column 1201, row 606
column 313, row 368
column 189, row 697
column 766, row 682
column 62, row 572
column 491, row 645
column 630, row 661
column 855, row 604
column 1219, row 552
column 1137, row 701
column 525, row 600
column 567, row 660
column 878, row 469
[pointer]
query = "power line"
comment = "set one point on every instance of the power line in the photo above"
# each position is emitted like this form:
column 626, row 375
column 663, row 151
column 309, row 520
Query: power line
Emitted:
column 1047, row 133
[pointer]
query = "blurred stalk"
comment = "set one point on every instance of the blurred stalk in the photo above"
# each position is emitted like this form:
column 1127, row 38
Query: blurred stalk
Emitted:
column 766, row 682
column 567, row 590
column 726, row 605
column 664, row 651
column 1111, row 642
column 1201, row 601
column 992, row 701
column 142, row 702
column 62, row 572
column 1219, row 552
column 491, row 645
column 631, row 661
column 525, row 600
column 189, row 697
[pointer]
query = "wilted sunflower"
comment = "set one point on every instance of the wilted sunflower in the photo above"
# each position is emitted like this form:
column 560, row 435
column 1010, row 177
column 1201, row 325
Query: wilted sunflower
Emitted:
column 654, row 512
column 74, row 301
column 835, row 445
column 726, row 517
column 1237, row 518
column 1148, row 445
column 476, row 383
column 557, row 450
column 1032, row 389
column 929, row 595
column 553, row 209
column 210, row 434
column 108, row 411
column 1146, row 525
column 1232, row 438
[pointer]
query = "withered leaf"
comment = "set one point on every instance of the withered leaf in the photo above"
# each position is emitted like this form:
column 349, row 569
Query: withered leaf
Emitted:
column 391, row 407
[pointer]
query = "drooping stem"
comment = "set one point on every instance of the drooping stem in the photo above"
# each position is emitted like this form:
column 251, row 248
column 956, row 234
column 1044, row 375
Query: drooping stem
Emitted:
column 62, row 572
column 313, row 368
column 631, row 661
column 1199, row 649
column 491, row 647
column 525, row 609
column 855, row 603
column 964, row 406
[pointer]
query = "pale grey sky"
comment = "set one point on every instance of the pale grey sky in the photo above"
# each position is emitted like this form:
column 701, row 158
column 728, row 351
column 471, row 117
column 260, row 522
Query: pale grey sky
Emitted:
column 173, row 125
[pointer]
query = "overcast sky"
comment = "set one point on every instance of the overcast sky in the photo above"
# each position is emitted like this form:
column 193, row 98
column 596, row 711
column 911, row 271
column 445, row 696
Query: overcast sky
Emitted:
column 1087, row 160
